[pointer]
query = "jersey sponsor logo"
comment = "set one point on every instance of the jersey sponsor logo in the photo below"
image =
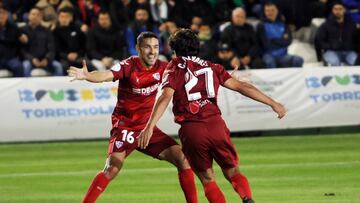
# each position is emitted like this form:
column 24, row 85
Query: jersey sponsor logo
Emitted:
column 195, row 106
column 116, row 67
column 156, row 76
column 146, row 90
column 119, row 144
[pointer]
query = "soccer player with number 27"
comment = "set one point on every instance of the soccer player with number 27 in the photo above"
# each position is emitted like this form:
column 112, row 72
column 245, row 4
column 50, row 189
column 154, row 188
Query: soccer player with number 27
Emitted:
column 193, row 84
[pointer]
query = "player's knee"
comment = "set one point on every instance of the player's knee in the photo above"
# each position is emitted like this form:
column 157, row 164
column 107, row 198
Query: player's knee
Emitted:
column 207, row 179
column 229, row 173
column 181, row 162
column 112, row 167
column 184, row 164
column 206, row 176
column 111, row 171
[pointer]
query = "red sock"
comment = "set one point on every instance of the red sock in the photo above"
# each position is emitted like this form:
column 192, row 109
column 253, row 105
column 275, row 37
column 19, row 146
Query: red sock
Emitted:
column 213, row 193
column 97, row 186
column 187, row 182
column 241, row 185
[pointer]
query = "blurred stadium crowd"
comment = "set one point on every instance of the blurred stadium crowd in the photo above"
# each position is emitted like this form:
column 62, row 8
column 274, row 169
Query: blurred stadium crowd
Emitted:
column 45, row 37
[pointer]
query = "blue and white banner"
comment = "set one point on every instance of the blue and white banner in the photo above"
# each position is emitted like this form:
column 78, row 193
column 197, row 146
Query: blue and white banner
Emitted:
column 53, row 108
column 314, row 97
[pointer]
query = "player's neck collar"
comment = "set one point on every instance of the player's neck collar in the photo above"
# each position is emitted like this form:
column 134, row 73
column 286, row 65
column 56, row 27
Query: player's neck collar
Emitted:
column 143, row 66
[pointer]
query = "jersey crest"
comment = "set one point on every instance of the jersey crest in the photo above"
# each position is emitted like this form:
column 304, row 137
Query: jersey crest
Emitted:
column 156, row 76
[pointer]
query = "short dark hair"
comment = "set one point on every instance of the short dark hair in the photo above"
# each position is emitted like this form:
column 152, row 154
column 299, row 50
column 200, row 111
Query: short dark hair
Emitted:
column 36, row 8
column 185, row 43
column 144, row 35
column 338, row 3
column 103, row 12
column 67, row 9
column 142, row 7
column 270, row 3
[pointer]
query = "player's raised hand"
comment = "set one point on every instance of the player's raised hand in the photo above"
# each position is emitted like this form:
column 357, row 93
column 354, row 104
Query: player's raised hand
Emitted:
column 279, row 109
column 78, row 73
column 144, row 138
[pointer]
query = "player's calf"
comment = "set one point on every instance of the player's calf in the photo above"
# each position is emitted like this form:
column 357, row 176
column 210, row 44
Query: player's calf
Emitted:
column 175, row 156
column 102, row 179
column 239, row 183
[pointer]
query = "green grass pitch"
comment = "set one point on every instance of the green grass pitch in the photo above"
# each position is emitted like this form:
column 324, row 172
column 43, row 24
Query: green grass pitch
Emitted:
column 294, row 169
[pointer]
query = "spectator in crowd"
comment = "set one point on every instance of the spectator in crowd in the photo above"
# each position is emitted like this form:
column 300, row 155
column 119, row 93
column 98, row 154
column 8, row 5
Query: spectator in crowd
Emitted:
column 335, row 38
column 18, row 9
column 69, row 40
column 196, row 21
column 141, row 24
column 184, row 11
column 87, row 12
column 120, row 12
column 275, row 37
column 48, row 13
column 357, row 45
column 49, row 10
column 296, row 12
column 318, row 8
column 353, row 9
column 222, row 9
column 10, row 39
column 166, row 30
column 140, row 4
column 105, row 44
column 207, row 43
column 159, row 11
column 226, row 57
column 253, row 8
column 63, row 4
column 39, row 51
column 242, row 39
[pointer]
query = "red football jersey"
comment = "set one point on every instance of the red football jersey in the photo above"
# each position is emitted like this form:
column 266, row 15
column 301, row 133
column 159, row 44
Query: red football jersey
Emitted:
column 196, row 83
column 137, row 92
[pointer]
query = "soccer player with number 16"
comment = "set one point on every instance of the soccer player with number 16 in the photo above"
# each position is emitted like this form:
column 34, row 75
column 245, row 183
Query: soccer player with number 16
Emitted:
column 139, row 79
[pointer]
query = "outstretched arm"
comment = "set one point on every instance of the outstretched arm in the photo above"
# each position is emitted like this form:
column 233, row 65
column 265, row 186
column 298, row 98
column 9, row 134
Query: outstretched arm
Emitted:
column 159, row 108
column 252, row 92
column 94, row 76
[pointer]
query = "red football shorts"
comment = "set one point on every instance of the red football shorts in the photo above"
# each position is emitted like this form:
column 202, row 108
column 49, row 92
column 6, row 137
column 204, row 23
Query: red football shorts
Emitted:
column 127, row 140
column 203, row 142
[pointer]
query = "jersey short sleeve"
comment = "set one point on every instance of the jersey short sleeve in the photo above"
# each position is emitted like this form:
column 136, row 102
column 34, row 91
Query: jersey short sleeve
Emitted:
column 121, row 70
column 222, row 74
column 169, row 76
